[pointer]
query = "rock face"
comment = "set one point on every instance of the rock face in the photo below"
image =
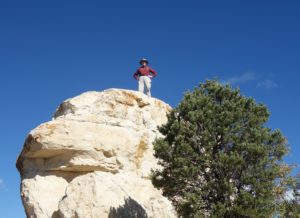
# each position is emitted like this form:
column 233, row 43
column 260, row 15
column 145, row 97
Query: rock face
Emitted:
column 94, row 158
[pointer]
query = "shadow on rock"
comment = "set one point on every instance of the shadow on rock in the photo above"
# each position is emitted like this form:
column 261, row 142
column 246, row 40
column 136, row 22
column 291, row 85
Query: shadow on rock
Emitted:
column 131, row 209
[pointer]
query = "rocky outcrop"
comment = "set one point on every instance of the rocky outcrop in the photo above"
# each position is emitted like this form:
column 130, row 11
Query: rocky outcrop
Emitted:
column 94, row 158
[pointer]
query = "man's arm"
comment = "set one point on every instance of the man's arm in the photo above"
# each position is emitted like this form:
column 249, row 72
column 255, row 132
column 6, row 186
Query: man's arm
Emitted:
column 136, row 74
column 153, row 72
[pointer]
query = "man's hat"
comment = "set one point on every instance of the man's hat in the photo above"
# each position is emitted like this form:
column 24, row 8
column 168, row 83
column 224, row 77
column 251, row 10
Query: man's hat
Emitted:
column 144, row 60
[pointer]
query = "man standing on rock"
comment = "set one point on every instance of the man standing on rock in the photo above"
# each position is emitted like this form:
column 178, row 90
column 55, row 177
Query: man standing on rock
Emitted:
column 144, row 75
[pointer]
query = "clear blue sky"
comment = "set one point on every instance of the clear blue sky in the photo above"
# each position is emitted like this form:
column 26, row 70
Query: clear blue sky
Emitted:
column 54, row 50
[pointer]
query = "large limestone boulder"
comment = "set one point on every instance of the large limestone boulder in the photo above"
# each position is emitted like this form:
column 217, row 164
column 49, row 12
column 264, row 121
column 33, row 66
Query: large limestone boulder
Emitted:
column 94, row 158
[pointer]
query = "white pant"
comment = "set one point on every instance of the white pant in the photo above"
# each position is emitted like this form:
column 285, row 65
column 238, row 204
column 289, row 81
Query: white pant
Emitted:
column 145, row 81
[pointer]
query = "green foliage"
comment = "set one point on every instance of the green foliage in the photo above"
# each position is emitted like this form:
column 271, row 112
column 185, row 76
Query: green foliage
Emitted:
column 290, row 203
column 218, row 159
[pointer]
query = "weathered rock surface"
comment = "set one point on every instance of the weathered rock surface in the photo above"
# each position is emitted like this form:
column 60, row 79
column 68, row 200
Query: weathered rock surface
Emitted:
column 94, row 158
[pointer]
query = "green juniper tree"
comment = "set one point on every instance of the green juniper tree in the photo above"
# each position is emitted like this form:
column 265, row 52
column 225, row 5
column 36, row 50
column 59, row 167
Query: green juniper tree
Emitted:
column 218, row 158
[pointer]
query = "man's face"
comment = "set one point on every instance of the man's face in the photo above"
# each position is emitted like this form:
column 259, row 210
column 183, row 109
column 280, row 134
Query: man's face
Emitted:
column 144, row 63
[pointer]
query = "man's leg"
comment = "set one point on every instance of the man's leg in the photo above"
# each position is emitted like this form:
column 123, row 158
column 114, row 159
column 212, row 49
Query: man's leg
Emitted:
column 141, row 84
column 148, row 86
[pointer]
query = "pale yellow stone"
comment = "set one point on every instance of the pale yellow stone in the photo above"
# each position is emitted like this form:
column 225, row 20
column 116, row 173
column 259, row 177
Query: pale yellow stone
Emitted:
column 94, row 158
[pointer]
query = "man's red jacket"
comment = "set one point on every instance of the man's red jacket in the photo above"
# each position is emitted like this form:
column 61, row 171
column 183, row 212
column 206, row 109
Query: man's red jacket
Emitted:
column 145, row 71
